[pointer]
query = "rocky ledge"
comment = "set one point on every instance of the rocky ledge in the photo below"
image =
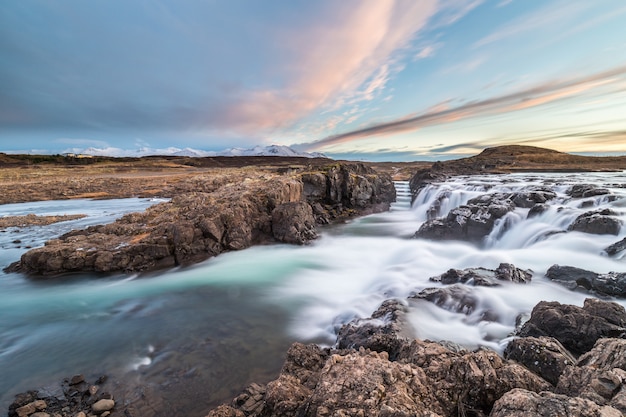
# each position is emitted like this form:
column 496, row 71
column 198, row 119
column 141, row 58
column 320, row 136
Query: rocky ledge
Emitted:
column 565, row 360
column 204, row 219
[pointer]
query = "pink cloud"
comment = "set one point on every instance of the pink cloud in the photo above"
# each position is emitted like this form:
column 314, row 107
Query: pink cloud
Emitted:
column 343, row 58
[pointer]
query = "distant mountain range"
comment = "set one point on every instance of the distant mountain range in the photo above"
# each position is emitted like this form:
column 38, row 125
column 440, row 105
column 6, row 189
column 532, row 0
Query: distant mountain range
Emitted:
column 271, row 150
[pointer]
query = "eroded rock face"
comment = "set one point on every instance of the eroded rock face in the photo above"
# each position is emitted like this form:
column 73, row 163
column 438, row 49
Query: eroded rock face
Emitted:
column 293, row 223
column 576, row 328
column 201, row 222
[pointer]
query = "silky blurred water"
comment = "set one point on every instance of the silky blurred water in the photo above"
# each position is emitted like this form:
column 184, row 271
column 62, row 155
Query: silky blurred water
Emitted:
column 199, row 335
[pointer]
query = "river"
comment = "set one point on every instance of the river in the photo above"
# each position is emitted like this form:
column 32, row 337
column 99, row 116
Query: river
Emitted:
column 194, row 337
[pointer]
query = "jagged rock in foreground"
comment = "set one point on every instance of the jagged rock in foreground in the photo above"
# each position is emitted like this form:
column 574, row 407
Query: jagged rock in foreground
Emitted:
column 205, row 219
column 390, row 375
column 576, row 328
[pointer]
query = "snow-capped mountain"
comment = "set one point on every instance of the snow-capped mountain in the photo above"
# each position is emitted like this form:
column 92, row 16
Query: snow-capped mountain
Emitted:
column 271, row 150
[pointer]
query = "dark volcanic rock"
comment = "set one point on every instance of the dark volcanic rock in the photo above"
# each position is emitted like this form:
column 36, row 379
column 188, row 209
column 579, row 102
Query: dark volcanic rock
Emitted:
column 612, row 283
column 576, row 328
column 598, row 222
column 616, row 248
column 472, row 222
column 545, row 356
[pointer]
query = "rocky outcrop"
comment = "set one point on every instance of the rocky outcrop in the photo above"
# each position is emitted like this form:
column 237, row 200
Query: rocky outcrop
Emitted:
column 576, row 328
column 612, row 283
column 471, row 222
column 600, row 222
column 200, row 222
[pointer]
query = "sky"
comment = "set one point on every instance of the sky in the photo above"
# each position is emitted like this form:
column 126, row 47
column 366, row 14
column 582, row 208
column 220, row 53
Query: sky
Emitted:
column 395, row 80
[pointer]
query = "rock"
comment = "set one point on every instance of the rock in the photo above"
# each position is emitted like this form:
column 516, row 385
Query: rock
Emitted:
column 576, row 328
column 458, row 298
column 544, row 356
column 31, row 408
column 612, row 283
column 40, row 414
column 225, row 411
column 586, row 190
column 293, row 223
column 102, row 405
column 483, row 276
column 76, row 379
column 531, row 198
column 471, row 222
column 537, row 210
column 597, row 222
column 599, row 375
column 509, row 272
column 523, row 403
column 467, row 381
column 385, row 331
column 616, row 248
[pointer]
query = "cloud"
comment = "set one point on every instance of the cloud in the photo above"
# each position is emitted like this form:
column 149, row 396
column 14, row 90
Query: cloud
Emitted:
column 343, row 58
column 559, row 14
column 529, row 97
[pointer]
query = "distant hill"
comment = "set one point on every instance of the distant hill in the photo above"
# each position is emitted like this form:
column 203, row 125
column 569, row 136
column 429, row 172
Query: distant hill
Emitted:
column 516, row 158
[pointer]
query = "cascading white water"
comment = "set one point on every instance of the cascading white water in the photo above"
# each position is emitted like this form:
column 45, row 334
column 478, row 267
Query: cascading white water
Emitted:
column 236, row 314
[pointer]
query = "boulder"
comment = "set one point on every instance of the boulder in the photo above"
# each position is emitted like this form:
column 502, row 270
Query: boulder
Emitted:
column 612, row 283
column 537, row 210
column 576, row 328
column 544, row 356
column 530, row 198
column 586, row 190
column 524, row 403
column 599, row 375
column 385, row 331
column 293, row 223
column 599, row 222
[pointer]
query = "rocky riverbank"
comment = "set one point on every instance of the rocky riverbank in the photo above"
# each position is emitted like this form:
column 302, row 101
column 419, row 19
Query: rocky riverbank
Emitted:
column 565, row 360
column 210, row 214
